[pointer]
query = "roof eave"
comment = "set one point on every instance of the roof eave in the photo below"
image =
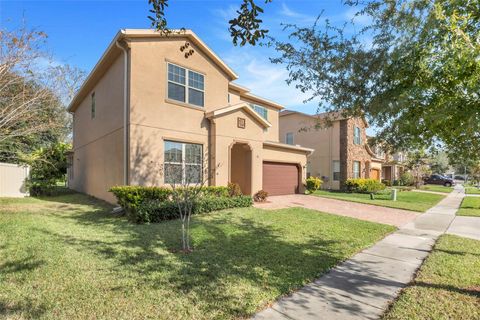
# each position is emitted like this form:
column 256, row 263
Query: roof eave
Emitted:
column 145, row 33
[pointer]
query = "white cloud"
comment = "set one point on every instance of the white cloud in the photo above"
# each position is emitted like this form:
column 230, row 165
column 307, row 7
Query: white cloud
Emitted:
column 265, row 79
column 294, row 16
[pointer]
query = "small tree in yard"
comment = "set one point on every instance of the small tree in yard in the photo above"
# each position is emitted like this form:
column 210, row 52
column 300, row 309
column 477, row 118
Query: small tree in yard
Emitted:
column 187, row 178
column 419, row 168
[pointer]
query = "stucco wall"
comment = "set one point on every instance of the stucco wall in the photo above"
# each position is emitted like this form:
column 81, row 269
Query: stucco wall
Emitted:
column 153, row 119
column 325, row 142
column 269, row 134
column 98, row 142
column 225, row 135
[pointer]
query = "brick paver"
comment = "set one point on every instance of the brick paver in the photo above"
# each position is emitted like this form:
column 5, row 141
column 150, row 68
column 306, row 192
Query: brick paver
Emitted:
column 391, row 216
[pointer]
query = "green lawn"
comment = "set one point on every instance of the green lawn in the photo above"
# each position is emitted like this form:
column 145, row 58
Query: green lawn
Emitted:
column 472, row 190
column 436, row 188
column 470, row 207
column 447, row 285
column 408, row 200
column 69, row 258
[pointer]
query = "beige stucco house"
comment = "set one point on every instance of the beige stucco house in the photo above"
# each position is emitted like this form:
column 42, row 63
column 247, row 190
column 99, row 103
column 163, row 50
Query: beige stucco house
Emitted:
column 340, row 144
column 154, row 101
column 394, row 166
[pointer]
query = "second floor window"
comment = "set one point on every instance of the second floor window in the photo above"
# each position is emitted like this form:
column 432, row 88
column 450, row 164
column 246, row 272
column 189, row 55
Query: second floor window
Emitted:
column 185, row 85
column 357, row 138
column 262, row 111
column 289, row 138
column 92, row 111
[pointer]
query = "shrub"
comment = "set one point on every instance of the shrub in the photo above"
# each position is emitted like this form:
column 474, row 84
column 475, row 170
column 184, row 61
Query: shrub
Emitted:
column 313, row 184
column 47, row 167
column 260, row 196
column 364, row 185
column 130, row 197
column 386, row 182
column 39, row 190
column 157, row 211
column 234, row 189
column 407, row 179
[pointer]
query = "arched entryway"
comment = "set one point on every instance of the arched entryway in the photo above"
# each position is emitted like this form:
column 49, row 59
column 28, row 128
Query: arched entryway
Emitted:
column 241, row 166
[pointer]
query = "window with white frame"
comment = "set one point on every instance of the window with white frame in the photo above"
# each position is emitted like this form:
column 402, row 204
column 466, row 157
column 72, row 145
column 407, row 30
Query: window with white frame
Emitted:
column 357, row 139
column 262, row 111
column 336, row 170
column 289, row 138
column 356, row 169
column 182, row 163
column 186, row 85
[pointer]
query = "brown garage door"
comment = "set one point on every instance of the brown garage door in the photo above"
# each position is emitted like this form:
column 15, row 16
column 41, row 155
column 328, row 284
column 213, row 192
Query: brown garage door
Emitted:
column 375, row 174
column 280, row 178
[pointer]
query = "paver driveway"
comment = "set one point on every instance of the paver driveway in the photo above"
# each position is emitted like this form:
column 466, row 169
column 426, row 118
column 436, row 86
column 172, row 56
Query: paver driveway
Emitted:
column 391, row 216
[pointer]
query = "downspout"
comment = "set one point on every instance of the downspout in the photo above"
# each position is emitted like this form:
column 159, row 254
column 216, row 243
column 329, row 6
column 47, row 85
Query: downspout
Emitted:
column 125, row 112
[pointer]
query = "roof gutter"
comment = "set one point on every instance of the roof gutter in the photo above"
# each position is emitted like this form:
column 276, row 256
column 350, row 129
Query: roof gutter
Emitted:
column 125, row 111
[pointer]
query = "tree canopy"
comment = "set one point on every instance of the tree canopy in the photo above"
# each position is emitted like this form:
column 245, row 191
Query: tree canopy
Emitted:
column 33, row 95
column 413, row 70
column 245, row 27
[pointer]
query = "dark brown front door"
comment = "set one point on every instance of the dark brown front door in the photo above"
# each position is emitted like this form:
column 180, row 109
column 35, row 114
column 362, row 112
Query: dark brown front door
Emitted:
column 280, row 178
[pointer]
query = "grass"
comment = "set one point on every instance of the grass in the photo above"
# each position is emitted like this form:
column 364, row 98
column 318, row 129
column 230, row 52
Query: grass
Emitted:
column 68, row 258
column 470, row 207
column 407, row 200
column 436, row 188
column 472, row 190
column 447, row 285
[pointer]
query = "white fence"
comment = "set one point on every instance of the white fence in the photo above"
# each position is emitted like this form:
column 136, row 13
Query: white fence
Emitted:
column 12, row 180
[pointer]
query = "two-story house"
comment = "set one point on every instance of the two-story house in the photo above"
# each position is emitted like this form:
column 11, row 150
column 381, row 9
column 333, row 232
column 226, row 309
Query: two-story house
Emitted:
column 394, row 166
column 154, row 101
column 340, row 144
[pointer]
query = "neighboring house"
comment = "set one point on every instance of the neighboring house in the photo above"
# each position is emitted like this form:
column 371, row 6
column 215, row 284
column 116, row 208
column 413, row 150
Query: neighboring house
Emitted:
column 341, row 148
column 394, row 166
column 156, row 101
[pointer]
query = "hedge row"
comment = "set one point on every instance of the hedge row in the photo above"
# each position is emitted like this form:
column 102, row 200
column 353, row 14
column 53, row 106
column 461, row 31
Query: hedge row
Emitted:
column 364, row 185
column 156, row 211
column 130, row 197
column 38, row 190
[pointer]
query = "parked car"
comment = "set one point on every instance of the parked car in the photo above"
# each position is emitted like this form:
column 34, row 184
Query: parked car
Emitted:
column 457, row 177
column 441, row 180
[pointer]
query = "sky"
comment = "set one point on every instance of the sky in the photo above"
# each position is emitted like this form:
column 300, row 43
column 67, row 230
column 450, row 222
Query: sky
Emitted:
column 79, row 32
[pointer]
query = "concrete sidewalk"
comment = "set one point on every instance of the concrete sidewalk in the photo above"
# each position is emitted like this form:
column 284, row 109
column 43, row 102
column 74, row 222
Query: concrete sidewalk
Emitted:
column 363, row 286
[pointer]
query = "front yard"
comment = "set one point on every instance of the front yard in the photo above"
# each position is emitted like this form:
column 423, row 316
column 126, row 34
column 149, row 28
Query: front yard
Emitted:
column 68, row 258
column 470, row 207
column 447, row 285
column 407, row 200
column 436, row 188
column 472, row 190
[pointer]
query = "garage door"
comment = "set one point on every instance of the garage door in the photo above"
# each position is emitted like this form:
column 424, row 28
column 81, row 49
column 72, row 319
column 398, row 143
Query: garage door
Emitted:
column 280, row 178
column 375, row 174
